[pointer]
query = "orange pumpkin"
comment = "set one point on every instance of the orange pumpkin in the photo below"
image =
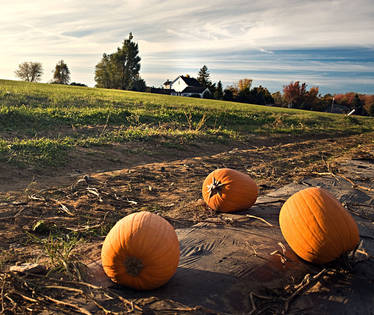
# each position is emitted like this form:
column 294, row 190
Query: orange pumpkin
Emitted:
column 141, row 251
column 229, row 190
column 317, row 227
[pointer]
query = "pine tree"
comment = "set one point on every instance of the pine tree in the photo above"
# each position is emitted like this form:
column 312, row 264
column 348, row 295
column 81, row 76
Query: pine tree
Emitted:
column 357, row 105
column 203, row 77
column 218, row 94
column 120, row 70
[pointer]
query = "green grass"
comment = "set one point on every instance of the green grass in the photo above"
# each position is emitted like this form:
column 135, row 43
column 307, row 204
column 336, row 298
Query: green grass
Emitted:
column 41, row 123
column 59, row 251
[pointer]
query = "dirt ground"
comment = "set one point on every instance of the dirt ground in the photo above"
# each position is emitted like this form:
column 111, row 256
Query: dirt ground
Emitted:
column 230, row 263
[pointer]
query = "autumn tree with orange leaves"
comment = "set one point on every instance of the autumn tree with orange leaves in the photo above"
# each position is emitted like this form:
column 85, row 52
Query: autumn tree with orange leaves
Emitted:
column 297, row 96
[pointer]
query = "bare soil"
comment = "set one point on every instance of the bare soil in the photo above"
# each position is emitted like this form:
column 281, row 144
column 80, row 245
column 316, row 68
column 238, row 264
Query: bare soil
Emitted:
column 99, row 186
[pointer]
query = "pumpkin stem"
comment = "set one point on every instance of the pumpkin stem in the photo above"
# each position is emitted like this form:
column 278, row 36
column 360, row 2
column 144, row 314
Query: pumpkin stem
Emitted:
column 215, row 187
column 133, row 266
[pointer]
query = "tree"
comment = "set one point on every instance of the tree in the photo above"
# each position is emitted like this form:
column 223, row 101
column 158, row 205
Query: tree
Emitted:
column 120, row 70
column 218, row 94
column 138, row 84
column 61, row 74
column 228, row 94
column 260, row 95
column 357, row 105
column 203, row 77
column 368, row 100
column 240, row 90
column 243, row 88
column 371, row 110
column 345, row 99
column 292, row 92
column 30, row 71
column 326, row 102
column 103, row 73
column 311, row 100
column 278, row 99
column 244, row 85
column 297, row 96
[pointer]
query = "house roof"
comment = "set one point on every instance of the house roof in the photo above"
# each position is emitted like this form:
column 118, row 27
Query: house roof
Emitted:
column 189, row 81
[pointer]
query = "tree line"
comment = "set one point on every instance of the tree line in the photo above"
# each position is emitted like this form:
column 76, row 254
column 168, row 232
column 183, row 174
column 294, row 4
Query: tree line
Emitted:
column 120, row 70
column 294, row 95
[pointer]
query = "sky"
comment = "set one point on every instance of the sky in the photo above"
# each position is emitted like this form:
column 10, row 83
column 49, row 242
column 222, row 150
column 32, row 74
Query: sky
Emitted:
column 324, row 43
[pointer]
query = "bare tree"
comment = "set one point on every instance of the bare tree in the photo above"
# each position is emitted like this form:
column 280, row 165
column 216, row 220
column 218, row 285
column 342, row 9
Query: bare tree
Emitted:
column 30, row 71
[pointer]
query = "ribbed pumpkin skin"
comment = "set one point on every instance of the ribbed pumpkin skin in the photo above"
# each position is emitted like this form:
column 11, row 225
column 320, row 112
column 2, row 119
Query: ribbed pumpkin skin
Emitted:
column 317, row 227
column 239, row 191
column 149, row 238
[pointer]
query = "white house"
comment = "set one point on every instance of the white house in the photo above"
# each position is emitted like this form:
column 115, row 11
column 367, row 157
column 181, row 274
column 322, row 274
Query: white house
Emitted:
column 186, row 86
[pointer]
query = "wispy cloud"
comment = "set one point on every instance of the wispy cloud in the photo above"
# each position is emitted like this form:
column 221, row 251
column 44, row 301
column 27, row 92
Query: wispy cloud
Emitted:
column 236, row 39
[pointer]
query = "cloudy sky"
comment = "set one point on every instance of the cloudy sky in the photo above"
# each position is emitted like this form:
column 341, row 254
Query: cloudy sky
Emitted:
column 325, row 43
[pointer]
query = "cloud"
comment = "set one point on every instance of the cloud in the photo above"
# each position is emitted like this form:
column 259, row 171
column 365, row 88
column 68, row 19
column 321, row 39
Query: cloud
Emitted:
column 244, row 36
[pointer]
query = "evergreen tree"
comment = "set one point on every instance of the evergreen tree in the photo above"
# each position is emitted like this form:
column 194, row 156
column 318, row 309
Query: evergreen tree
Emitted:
column 218, row 94
column 357, row 105
column 371, row 110
column 228, row 94
column 120, row 70
column 62, row 73
column 138, row 84
column 259, row 95
column 203, row 77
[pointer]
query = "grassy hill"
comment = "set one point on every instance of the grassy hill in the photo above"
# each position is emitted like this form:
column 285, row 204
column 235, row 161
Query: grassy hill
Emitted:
column 40, row 124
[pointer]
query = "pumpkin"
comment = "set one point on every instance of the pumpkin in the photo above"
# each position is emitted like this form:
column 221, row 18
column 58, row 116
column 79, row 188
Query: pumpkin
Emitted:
column 141, row 251
column 317, row 227
column 229, row 190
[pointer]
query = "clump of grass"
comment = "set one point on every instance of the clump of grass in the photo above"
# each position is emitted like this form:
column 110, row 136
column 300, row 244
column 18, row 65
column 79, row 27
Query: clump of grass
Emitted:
column 42, row 151
column 59, row 251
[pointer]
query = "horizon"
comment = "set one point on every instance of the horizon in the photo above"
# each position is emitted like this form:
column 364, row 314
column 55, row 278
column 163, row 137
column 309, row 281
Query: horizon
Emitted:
column 324, row 44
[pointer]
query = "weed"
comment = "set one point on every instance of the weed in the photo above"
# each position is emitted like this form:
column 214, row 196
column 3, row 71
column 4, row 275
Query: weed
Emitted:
column 59, row 250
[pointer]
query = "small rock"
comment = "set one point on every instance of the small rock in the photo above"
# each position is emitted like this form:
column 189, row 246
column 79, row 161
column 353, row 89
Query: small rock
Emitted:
column 28, row 267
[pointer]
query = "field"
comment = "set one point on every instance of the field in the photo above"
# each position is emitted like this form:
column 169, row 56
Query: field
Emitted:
column 44, row 125
column 74, row 160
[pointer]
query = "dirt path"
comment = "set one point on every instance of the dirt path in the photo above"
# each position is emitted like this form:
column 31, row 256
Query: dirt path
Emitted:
column 268, row 153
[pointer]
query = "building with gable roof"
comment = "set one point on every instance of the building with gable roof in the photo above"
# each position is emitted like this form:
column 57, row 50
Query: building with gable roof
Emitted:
column 186, row 86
